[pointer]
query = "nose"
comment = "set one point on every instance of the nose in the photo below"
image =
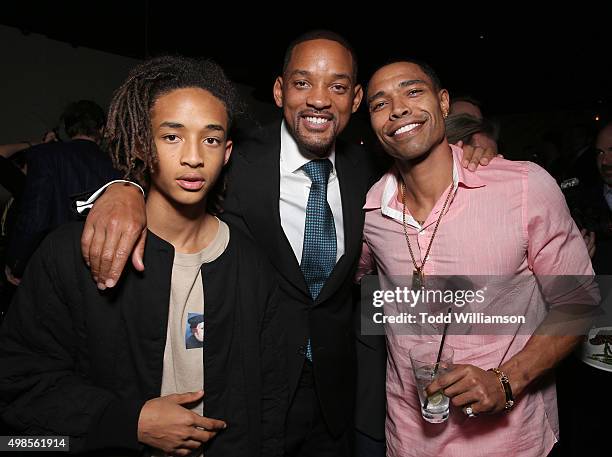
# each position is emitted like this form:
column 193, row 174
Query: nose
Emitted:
column 318, row 98
column 399, row 110
column 191, row 154
column 606, row 158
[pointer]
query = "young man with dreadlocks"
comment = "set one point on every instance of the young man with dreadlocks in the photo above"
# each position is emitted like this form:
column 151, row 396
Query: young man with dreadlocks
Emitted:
column 181, row 358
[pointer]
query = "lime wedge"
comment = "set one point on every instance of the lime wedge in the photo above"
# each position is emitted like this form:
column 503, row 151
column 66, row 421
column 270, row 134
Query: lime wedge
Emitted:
column 435, row 399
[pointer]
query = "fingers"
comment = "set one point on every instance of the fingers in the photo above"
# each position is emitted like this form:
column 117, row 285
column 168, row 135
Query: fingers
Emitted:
column 466, row 399
column 192, row 444
column 181, row 452
column 86, row 240
column 461, row 386
column 471, row 157
column 138, row 254
column 9, row 276
column 446, row 380
column 589, row 241
column 119, row 255
column 477, row 158
column 108, row 253
column 208, row 424
column 114, row 225
column 95, row 252
column 187, row 397
column 203, row 436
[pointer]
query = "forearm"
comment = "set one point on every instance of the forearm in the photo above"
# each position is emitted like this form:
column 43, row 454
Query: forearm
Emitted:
column 8, row 150
column 540, row 355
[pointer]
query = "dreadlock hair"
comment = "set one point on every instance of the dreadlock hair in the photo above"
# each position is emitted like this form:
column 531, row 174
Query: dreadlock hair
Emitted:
column 128, row 136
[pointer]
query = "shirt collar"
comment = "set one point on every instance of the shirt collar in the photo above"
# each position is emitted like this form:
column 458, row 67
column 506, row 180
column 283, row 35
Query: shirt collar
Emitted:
column 291, row 157
column 386, row 200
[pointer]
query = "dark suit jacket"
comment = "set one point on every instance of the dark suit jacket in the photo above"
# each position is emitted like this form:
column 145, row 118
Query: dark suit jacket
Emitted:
column 590, row 210
column 56, row 173
column 252, row 203
column 79, row 362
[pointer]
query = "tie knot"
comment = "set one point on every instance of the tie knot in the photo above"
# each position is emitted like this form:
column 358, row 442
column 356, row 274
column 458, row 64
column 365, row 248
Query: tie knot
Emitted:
column 318, row 170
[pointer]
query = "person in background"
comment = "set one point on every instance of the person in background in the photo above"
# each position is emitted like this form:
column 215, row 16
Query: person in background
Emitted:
column 57, row 172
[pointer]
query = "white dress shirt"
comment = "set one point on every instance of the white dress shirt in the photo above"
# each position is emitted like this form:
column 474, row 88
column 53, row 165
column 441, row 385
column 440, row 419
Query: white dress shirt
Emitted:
column 294, row 190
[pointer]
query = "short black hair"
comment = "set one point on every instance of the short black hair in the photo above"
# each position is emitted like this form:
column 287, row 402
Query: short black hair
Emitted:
column 83, row 118
column 427, row 69
column 461, row 127
column 468, row 99
column 321, row 34
column 128, row 129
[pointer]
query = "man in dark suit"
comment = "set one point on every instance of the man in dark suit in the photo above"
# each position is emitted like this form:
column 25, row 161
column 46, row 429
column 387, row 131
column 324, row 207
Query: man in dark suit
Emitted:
column 57, row 172
column 298, row 191
column 270, row 194
column 589, row 197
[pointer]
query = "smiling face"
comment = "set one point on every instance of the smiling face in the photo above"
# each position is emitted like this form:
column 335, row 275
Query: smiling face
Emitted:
column 189, row 128
column 406, row 110
column 318, row 94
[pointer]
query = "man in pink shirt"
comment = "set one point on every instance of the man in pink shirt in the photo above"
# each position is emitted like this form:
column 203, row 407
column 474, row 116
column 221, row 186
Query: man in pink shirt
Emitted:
column 431, row 216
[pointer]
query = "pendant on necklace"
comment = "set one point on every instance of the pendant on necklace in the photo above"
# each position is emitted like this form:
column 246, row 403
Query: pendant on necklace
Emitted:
column 418, row 279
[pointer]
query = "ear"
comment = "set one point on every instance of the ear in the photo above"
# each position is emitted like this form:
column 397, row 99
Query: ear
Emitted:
column 357, row 96
column 278, row 91
column 228, row 151
column 444, row 102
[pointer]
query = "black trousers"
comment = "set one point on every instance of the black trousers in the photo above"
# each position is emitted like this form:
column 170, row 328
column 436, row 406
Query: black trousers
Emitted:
column 306, row 434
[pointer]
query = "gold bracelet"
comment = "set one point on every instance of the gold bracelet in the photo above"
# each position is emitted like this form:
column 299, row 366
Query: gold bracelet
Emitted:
column 505, row 383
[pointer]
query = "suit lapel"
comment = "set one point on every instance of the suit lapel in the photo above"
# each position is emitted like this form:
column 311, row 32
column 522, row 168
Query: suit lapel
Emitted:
column 261, row 208
column 351, row 195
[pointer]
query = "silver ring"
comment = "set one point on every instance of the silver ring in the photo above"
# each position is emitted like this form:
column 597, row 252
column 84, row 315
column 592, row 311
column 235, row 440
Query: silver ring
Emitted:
column 469, row 412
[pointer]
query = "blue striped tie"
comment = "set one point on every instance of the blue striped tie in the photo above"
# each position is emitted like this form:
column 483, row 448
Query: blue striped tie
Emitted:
column 319, row 252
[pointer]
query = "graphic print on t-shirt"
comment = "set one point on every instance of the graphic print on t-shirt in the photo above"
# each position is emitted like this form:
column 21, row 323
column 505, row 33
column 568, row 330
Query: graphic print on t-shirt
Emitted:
column 194, row 331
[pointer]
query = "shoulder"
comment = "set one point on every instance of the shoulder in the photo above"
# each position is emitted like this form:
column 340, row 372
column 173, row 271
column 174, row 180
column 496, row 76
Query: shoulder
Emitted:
column 375, row 194
column 249, row 142
column 60, row 251
column 539, row 178
column 66, row 235
column 42, row 154
column 241, row 247
column 357, row 153
column 240, row 241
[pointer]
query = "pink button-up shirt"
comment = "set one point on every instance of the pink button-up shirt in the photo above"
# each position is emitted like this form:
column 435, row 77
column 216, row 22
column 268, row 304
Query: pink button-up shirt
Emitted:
column 508, row 218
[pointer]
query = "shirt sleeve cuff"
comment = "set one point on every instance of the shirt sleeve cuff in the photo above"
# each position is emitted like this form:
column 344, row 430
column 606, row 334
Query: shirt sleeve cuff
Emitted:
column 84, row 205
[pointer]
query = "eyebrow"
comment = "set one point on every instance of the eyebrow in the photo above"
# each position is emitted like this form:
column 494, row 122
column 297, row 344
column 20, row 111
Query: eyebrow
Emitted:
column 217, row 127
column 307, row 73
column 402, row 84
column 178, row 125
column 172, row 125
